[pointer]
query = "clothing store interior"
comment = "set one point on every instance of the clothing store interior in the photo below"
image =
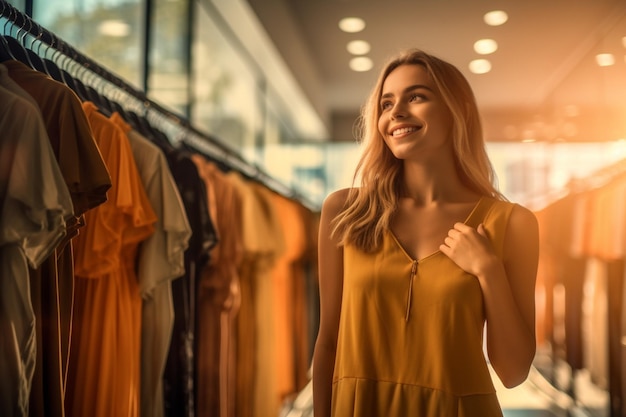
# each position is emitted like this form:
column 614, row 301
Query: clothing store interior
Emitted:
column 217, row 128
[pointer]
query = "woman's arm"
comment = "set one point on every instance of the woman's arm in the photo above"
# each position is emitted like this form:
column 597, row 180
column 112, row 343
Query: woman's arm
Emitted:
column 331, row 286
column 508, row 288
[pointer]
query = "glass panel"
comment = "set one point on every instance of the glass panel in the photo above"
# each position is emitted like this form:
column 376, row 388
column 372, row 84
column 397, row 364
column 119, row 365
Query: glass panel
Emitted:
column 168, row 79
column 532, row 173
column 226, row 98
column 18, row 4
column 528, row 173
column 108, row 31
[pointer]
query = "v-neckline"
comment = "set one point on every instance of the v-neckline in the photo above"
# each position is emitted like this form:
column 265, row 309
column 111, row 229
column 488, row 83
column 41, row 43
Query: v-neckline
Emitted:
column 438, row 251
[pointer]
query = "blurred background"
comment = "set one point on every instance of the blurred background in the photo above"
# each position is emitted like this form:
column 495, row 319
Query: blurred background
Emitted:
column 279, row 85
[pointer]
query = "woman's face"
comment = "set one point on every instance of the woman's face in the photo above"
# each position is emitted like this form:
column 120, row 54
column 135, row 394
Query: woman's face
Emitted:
column 414, row 121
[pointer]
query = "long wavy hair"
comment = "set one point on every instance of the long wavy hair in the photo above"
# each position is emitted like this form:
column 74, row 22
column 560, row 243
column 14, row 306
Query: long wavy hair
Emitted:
column 371, row 205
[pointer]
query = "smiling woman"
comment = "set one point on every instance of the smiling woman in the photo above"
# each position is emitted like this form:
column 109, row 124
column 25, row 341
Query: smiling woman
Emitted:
column 425, row 251
column 414, row 118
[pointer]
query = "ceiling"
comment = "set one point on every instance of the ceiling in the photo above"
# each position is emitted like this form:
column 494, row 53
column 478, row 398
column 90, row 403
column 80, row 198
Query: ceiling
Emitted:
column 544, row 83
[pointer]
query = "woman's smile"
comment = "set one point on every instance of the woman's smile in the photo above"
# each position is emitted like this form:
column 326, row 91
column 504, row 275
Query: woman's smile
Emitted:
column 404, row 130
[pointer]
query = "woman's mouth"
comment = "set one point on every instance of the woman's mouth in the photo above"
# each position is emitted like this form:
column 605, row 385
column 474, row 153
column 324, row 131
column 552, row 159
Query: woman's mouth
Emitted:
column 404, row 130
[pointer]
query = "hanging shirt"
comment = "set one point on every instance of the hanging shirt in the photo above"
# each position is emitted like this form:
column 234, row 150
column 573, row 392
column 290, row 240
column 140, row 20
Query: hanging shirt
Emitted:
column 263, row 242
column 35, row 205
column 70, row 135
column 103, row 376
column 218, row 297
column 52, row 284
column 179, row 380
column 160, row 259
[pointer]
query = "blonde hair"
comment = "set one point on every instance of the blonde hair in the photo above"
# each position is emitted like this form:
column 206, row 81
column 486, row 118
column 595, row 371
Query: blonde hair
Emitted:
column 369, row 207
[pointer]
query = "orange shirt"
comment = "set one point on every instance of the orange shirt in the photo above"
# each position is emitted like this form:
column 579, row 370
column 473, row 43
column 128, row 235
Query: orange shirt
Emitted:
column 103, row 378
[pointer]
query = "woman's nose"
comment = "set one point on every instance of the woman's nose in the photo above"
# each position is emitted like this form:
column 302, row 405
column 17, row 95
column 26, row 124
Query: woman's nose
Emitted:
column 398, row 111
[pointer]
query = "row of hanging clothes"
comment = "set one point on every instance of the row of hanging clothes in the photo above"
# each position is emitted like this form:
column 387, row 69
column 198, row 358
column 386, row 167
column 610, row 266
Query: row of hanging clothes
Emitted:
column 145, row 269
column 582, row 269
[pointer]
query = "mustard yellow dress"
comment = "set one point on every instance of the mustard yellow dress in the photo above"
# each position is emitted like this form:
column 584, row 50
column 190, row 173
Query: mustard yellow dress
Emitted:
column 411, row 332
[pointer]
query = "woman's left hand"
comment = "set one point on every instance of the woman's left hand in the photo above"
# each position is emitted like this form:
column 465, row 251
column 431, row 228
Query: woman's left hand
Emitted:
column 469, row 248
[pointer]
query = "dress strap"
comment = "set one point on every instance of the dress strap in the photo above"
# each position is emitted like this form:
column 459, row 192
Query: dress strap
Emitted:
column 480, row 211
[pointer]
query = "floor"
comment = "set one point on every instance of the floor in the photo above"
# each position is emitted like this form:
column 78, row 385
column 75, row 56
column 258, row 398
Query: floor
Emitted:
column 539, row 397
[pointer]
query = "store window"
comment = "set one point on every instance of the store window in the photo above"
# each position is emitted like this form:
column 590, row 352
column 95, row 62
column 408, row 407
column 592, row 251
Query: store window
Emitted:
column 226, row 101
column 18, row 4
column 108, row 31
column 168, row 73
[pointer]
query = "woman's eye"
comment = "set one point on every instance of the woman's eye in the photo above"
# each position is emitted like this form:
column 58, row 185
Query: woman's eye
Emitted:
column 417, row 97
column 385, row 105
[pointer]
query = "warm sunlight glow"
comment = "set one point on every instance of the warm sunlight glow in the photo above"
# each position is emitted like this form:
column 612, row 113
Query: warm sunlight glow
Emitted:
column 116, row 28
column 571, row 110
column 352, row 24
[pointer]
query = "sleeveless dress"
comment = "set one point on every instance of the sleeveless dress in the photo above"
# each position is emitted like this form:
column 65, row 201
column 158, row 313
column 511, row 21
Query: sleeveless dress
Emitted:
column 411, row 331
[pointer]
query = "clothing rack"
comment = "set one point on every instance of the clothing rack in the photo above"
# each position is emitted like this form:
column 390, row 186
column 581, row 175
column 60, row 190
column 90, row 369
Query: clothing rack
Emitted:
column 179, row 130
column 602, row 177
column 597, row 179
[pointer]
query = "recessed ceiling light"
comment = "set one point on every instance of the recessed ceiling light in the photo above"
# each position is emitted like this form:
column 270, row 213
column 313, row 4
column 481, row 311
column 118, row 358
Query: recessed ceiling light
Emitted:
column 605, row 60
column 485, row 46
column 480, row 66
column 361, row 64
column 358, row 47
column 496, row 18
column 352, row 24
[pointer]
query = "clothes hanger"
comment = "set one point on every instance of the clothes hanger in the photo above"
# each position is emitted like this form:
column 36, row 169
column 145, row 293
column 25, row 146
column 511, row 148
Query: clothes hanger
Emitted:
column 159, row 133
column 52, row 68
column 5, row 50
column 114, row 98
column 75, row 83
column 17, row 49
column 101, row 100
column 143, row 126
column 33, row 57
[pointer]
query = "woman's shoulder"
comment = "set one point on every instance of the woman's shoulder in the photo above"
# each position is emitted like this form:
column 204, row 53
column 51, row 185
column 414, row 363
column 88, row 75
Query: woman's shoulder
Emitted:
column 517, row 215
column 336, row 200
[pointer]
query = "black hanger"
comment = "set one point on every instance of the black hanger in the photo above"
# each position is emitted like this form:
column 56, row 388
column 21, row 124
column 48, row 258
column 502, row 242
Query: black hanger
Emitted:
column 33, row 57
column 140, row 124
column 53, row 70
column 102, row 102
column 35, row 61
column 154, row 134
column 117, row 108
column 162, row 141
column 5, row 50
column 18, row 51
column 75, row 84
